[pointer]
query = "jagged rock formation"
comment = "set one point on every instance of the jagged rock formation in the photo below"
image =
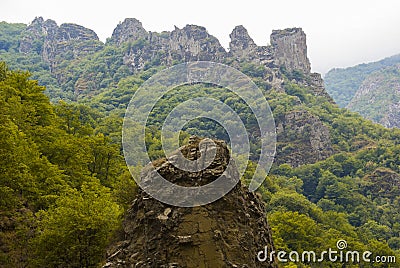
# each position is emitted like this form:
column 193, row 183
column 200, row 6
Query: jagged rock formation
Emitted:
column 243, row 48
column 241, row 43
column 141, row 49
column 191, row 43
column 56, row 43
column 226, row 233
column 290, row 49
column 302, row 139
column 130, row 30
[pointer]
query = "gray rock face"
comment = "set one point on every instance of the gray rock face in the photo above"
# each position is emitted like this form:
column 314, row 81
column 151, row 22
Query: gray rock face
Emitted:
column 242, row 48
column 392, row 118
column 306, row 140
column 241, row 45
column 130, row 30
column 191, row 43
column 140, row 49
column 290, row 49
column 226, row 233
column 194, row 43
column 34, row 35
column 316, row 84
column 69, row 32
column 68, row 41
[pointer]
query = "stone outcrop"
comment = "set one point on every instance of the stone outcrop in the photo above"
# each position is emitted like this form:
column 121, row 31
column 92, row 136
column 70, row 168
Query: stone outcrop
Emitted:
column 66, row 42
column 34, row 36
column 241, row 45
column 302, row 139
column 290, row 49
column 141, row 49
column 130, row 30
column 226, row 233
column 194, row 43
column 191, row 43
column 242, row 48
column 392, row 118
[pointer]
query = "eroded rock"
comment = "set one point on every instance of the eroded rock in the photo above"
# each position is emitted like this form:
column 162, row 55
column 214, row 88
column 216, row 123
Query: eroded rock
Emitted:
column 226, row 233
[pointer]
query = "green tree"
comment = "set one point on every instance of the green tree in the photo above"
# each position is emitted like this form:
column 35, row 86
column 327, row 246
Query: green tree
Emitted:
column 76, row 231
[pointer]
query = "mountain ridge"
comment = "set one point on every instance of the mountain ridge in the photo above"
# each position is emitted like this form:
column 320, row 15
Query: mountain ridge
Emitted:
column 64, row 47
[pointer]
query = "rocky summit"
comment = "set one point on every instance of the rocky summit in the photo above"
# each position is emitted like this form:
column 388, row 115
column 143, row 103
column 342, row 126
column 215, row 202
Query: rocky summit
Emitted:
column 56, row 43
column 132, row 49
column 226, row 233
column 137, row 49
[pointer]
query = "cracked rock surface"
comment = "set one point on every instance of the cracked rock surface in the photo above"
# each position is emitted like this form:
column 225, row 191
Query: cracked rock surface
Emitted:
column 226, row 233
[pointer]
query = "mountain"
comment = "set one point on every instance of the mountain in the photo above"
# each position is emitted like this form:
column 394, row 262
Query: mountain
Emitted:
column 342, row 84
column 74, row 65
column 378, row 97
column 72, row 62
column 370, row 89
column 65, row 186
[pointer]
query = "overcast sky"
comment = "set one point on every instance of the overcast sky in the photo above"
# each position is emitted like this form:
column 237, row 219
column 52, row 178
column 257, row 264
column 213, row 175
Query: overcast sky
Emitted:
column 340, row 33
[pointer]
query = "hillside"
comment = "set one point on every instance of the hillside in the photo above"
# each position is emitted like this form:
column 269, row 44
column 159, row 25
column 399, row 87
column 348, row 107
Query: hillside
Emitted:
column 342, row 84
column 335, row 175
column 378, row 97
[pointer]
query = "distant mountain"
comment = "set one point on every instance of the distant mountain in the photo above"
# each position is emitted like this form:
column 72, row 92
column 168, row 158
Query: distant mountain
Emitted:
column 370, row 89
column 378, row 97
column 342, row 84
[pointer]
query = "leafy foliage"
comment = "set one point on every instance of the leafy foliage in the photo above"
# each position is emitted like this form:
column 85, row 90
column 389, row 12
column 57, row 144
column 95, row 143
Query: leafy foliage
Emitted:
column 59, row 178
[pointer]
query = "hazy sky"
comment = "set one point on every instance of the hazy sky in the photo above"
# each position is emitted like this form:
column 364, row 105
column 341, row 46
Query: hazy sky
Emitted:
column 340, row 33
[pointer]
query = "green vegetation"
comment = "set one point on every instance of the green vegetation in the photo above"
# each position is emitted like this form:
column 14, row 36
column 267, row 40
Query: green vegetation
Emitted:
column 10, row 34
column 71, row 167
column 65, row 186
column 62, row 181
column 378, row 97
column 342, row 84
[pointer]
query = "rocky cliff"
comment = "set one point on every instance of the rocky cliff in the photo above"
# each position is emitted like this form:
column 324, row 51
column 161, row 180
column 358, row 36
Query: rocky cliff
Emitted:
column 226, row 233
column 132, row 49
column 58, row 43
column 302, row 139
column 191, row 43
column 290, row 49
column 61, row 47
column 130, row 30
